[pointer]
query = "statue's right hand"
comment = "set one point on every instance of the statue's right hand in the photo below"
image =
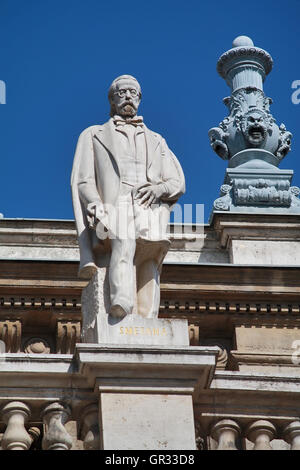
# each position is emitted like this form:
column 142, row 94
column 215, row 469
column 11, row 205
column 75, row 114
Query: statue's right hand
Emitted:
column 95, row 213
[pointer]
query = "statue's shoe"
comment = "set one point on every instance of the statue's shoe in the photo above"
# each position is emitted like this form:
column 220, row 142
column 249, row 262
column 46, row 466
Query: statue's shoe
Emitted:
column 88, row 271
column 117, row 311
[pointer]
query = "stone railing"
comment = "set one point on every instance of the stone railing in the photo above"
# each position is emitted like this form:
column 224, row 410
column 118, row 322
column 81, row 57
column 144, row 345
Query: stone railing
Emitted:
column 22, row 431
column 50, row 432
column 249, row 434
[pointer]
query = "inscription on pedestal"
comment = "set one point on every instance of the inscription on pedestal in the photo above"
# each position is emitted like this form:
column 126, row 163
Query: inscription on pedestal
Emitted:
column 137, row 330
column 101, row 328
column 140, row 330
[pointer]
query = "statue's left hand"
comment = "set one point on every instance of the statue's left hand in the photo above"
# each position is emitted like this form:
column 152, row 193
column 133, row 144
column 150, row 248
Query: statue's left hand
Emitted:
column 149, row 193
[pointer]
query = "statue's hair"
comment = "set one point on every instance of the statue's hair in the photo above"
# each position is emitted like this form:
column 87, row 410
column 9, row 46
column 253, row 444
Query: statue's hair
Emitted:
column 112, row 87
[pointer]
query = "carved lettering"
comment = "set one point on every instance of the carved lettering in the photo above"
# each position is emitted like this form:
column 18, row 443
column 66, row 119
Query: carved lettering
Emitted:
column 141, row 331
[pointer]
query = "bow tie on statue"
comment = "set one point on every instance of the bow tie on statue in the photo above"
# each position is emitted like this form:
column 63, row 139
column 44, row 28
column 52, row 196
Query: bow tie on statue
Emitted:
column 135, row 121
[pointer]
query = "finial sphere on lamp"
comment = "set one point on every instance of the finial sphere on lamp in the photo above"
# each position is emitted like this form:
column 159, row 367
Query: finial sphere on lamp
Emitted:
column 241, row 41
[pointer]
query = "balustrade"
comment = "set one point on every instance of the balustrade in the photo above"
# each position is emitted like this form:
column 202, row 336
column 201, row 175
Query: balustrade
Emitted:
column 90, row 428
column 292, row 435
column 15, row 414
column 261, row 432
column 55, row 435
column 225, row 432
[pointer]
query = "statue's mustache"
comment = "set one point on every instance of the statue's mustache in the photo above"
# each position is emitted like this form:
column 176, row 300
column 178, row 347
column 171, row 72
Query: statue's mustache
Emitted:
column 128, row 103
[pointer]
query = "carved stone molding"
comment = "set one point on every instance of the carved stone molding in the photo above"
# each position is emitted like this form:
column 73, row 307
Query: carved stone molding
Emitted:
column 233, row 307
column 224, row 202
column 195, row 340
column 40, row 302
column 239, row 53
column 194, row 335
column 37, row 346
column 10, row 333
column 222, row 358
column 68, row 334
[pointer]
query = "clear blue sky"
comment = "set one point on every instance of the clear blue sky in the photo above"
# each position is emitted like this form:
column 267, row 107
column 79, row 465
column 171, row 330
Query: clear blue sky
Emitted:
column 59, row 57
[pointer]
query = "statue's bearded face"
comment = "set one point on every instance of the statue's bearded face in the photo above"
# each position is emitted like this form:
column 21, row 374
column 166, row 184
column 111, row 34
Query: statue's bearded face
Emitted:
column 126, row 98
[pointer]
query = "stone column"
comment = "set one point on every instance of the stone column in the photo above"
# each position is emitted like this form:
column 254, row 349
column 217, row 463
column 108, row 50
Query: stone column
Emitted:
column 292, row 435
column 261, row 432
column 55, row 435
column 15, row 414
column 89, row 431
column 225, row 432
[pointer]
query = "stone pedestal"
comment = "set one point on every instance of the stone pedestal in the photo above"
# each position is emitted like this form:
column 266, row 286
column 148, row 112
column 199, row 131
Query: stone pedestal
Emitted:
column 259, row 239
column 146, row 393
column 144, row 372
column 100, row 328
column 253, row 183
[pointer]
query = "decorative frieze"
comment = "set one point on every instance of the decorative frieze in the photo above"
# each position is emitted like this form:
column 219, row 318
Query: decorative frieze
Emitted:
column 231, row 307
column 170, row 306
column 39, row 302
column 262, row 191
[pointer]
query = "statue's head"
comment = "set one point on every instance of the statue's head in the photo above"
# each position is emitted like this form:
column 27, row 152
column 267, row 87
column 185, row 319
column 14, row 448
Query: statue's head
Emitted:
column 124, row 96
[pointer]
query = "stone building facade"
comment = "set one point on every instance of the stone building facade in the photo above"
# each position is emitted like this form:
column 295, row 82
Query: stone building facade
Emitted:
column 237, row 283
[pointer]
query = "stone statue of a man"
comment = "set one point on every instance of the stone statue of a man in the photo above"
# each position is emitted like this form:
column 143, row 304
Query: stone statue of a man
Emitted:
column 125, row 175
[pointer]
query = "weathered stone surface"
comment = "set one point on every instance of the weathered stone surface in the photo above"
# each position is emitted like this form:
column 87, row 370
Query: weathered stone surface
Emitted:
column 147, row 422
column 266, row 339
column 265, row 252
